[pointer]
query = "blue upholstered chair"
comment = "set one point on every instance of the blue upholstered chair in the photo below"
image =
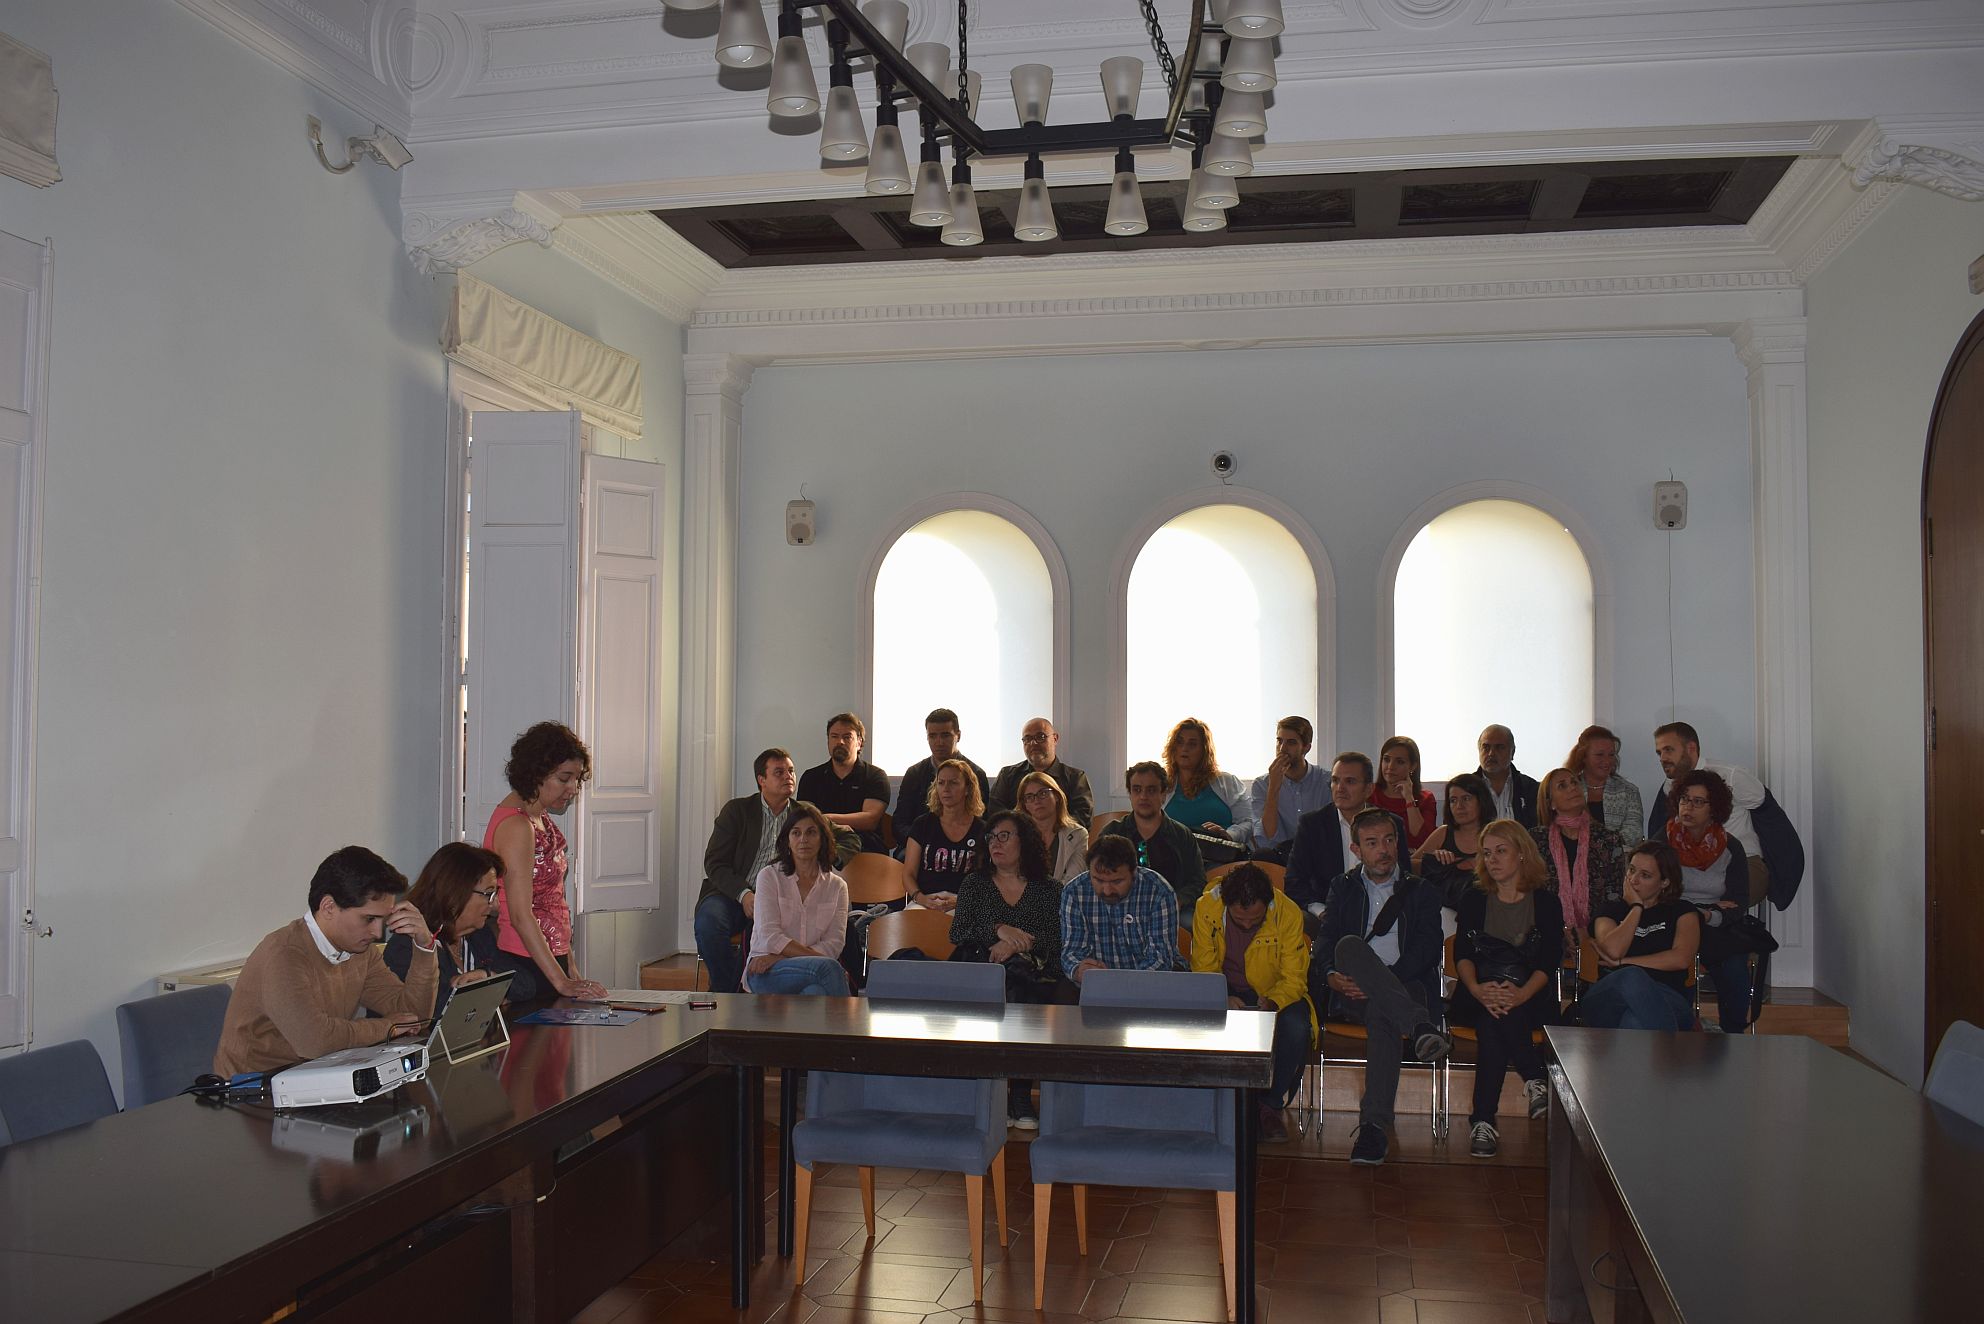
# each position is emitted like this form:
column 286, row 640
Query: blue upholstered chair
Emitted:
column 1956, row 1078
column 909, row 1121
column 168, row 1040
column 1135, row 1135
column 53, row 1089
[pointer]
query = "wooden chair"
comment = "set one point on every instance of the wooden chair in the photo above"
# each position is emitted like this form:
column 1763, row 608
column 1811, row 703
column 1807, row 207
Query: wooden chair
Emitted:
column 927, row 929
column 873, row 878
column 1277, row 874
column 1184, row 947
column 1101, row 821
column 888, row 830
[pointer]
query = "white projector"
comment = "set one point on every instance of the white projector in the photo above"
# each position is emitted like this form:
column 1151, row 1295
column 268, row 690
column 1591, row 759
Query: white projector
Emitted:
column 349, row 1076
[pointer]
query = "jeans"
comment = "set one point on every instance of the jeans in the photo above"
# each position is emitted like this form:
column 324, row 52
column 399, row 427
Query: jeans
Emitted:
column 1390, row 1011
column 1500, row 1041
column 820, row 975
column 1630, row 998
column 1728, row 964
column 718, row 919
column 1294, row 1046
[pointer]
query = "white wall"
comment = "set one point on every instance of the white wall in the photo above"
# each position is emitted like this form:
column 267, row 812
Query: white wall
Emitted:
column 240, row 604
column 1883, row 320
column 1355, row 439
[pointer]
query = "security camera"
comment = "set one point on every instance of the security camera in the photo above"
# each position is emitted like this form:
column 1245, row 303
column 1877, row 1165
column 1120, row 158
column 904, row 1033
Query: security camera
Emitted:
column 1223, row 464
column 386, row 148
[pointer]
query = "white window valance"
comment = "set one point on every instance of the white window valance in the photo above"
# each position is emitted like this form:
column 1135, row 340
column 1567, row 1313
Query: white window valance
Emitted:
column 514, row 343
column 27, row 114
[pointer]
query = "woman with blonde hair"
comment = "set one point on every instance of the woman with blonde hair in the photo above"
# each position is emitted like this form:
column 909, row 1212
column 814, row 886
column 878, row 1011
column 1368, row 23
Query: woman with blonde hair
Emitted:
column 1203, row 798
column 1508, row 943
column 1044, row 805
column 944, row 844
column 1609, row 798
column 1585, row 860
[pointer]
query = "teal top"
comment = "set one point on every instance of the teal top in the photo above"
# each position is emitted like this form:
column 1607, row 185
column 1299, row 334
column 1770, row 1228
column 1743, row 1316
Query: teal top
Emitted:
column 1205, row 807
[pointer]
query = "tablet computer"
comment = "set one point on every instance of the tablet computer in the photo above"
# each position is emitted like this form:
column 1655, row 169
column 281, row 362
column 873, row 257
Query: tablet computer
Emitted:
column 464, row 1023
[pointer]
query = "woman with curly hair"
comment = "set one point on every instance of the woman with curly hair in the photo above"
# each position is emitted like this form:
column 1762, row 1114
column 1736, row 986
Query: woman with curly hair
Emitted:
column 456, row 894
column 548, row 764
column 1715, row 879
column 1609, row 798
column 1203, row 798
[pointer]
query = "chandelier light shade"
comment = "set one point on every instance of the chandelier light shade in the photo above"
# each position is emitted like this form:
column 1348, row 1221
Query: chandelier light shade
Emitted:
column 1249, row 65
column 843, row 137
column 1032, row 84
column 742, row 40
column 1201, row 219
column 931, row 205
column 1217, row 192
column 688, row 5
column 1125, row 216
column 1034, row 222
column 964, row 229
column 793, row 91
column 891, row 19
column 1242, row 114
column 888, row 165
column 933, row 60
column 1253, row 18
column 1122, row 83
column 1226, row 155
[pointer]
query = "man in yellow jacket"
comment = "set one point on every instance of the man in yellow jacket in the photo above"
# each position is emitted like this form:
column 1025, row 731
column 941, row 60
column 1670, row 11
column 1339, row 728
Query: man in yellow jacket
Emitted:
column 1245, row 930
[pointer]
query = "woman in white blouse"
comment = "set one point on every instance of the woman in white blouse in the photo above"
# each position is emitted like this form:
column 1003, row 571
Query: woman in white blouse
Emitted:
column 800, row 923
column 1045, row 806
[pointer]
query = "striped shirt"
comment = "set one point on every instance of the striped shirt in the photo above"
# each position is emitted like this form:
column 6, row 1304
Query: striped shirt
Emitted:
column 1140, row 932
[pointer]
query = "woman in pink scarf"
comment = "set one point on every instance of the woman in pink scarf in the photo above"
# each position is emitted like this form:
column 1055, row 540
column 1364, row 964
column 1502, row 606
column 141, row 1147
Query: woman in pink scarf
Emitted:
column 1585, row 859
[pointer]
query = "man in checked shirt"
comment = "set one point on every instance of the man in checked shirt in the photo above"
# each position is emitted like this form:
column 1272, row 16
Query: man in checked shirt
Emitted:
column 1116, row 916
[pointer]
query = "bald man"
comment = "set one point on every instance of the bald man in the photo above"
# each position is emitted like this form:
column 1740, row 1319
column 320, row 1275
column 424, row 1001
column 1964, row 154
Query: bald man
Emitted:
column 1515, row 794
column 1042, row 745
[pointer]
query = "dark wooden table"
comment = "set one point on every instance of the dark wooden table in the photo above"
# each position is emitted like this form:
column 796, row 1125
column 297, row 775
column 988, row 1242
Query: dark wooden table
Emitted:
column 1085, row 1045
column 1711, row 1178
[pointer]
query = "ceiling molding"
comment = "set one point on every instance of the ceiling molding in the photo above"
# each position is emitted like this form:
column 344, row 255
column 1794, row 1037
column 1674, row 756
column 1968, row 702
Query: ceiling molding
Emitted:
column 644, row 258
column 343, row 62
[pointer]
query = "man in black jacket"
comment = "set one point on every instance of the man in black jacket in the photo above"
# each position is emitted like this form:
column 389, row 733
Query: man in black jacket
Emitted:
column 1515, row 793
column 941, row 730
column 1041, row 744
column 1162, row 842
column 741, row 844
column 1322, row 850
column 1377, row 962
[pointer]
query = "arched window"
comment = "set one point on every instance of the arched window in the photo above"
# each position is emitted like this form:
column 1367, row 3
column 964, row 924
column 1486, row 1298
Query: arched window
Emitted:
column 963, row 618
column 1492, row 621
column 1221, row 625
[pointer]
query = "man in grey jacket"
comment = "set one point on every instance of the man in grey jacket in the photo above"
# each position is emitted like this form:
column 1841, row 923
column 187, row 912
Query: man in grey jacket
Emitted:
column 741, row 844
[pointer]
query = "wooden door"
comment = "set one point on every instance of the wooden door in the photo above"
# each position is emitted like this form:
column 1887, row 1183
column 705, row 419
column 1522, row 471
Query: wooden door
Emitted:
column 1953, row 621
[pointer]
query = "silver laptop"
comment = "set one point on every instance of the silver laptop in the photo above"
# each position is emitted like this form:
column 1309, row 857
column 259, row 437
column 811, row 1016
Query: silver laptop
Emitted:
column 464, row 1023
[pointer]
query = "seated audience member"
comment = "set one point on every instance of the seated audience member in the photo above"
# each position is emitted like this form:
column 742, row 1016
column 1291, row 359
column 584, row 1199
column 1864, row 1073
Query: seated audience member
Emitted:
column 1446, row 860
column 801, row 920
column 1009, row 911
column 1203, row 798
column 1585, row 861
column 1378, row 961
column 1244, row 929
column 1323, row 850
column 456, row 893
column 741, row 844
column 941, row 731
column 1715, row 879
column 1117, row 915
column 943, row 845
column 1041, row 744
column 297, row 994
column 850, row 792
column 1291, row 787
column 1609, row 798
column 1400, row 792
column 1515, row 794
column 1646, row 944
column 1045, row 808
column 1679, row 750
column 548, row 764
column 1508, row 946
column 1162, row 843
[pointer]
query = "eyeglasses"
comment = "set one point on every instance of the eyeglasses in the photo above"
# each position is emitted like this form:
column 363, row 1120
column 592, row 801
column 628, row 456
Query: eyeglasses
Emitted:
column 1037, row 739
column 1002, row 836
column 488, row 894
column 1695, row 801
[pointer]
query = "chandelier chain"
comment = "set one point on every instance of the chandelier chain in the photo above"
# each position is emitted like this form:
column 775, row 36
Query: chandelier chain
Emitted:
column 1163, row 52
column 964, row 87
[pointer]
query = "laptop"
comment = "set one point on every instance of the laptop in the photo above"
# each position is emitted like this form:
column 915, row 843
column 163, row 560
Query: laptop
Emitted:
column 464, row 1023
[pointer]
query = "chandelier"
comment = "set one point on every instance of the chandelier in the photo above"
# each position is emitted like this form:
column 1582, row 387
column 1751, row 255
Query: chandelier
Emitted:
column 1216, row 105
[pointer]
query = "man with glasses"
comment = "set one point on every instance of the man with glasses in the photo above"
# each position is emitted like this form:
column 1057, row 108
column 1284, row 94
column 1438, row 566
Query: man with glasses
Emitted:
column 1162, row 843
column 1042, row 745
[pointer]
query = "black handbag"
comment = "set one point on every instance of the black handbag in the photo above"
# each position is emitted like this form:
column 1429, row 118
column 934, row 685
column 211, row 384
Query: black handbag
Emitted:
column 1497, row 961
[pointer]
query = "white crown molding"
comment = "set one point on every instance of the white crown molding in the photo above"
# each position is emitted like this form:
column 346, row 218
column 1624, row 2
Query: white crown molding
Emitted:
column 1936, row 168
column 439, row 241
column 645, row 258
column 304, row 38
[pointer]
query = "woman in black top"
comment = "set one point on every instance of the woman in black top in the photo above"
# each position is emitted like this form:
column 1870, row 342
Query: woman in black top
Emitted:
column 944, row 844
column 1446, row 859
column 1507, row 947
column 456, row 894
column 1646, row 942
column 1010, row 912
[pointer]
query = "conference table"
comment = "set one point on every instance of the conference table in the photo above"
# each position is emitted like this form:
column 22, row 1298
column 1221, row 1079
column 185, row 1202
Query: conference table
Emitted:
column 520, row 1185
column 1711, row 1178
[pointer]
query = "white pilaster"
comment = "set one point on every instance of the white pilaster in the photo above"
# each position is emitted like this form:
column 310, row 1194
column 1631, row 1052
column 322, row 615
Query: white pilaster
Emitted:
column 712, row 445
column 1773, row 350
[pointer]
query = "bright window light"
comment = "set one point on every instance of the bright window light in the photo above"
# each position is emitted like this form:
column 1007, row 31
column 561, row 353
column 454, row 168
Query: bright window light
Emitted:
column 1222, row 627
column 1492, row 623
column 981, row 585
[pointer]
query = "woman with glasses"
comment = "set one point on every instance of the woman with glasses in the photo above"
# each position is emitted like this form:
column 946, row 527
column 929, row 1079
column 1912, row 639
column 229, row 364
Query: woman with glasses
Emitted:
column 1045, row 807
column 1715, row 879
column 1446, row 860
column 456, row 893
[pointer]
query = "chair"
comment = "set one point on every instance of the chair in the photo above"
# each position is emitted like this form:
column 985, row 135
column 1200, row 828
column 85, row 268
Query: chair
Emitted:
column 927, row 929
column 1184, row 947
column 1135, row 1135
column 168, row 1040
column 53, row 1089
column 1956, row 1077
column 1277, row 874
column 887, row 831
column 1101, row 821
column 873, row 878
column 909, row 1121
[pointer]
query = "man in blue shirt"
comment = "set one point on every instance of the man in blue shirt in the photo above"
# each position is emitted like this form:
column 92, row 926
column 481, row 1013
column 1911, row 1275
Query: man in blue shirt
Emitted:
column 1117, row 916
column 1378, row 959
column 1290, row 788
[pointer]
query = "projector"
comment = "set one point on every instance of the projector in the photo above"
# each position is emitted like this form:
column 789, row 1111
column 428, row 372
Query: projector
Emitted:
column 349, row 1076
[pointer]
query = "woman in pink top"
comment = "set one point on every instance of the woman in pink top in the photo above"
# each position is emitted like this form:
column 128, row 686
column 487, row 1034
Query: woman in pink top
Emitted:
column 801, row 920
column 548, row 764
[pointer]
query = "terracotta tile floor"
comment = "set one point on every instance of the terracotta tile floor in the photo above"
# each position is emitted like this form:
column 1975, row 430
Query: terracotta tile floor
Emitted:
column 1432, row 1237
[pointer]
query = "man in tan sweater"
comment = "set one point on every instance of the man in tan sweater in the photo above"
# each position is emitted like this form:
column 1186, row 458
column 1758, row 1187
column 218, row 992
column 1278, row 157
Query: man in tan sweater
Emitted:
column 305, row 982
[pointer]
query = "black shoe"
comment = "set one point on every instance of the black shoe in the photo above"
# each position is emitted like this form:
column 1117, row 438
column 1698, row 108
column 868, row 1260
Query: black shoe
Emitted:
column 1369, row 1145
column 1483, row 1141
column 1430, row 1043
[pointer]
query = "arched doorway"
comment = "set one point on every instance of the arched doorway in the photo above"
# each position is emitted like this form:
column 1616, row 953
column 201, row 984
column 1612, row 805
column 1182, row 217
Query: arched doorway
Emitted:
column 1953, row 645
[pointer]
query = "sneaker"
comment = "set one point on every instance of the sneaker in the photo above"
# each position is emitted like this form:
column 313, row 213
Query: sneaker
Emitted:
column 1484, row 1141
column 1025, row 1121
column 1538, row 1095
column 1272, row 1124
column 1430, row 1043
column 1368, row 1145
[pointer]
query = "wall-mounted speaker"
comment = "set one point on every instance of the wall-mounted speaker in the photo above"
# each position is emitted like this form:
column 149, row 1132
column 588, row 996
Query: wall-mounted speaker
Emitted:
column 799, row 523
column 1670, row 506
